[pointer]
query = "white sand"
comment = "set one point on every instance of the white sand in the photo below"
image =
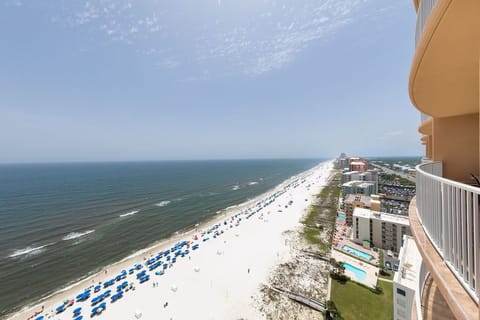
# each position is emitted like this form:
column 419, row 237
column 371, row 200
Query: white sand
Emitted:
column 223, row 288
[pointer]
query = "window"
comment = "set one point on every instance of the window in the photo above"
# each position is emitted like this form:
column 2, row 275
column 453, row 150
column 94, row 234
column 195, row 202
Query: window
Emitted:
column 401, row 292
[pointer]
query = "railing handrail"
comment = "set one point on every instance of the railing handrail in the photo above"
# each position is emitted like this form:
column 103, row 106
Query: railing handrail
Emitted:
column 457, row 184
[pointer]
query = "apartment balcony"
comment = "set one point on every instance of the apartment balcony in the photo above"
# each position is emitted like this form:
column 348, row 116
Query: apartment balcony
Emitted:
column 444, row 74
column 444, row 220
column 424, row 9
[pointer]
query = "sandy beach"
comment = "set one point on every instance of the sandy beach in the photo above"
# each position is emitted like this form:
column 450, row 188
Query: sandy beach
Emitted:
column 220, row 279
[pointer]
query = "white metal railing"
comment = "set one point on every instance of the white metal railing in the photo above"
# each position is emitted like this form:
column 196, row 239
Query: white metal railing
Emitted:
column 422, row 278
column 448, row 211
column 424, row 9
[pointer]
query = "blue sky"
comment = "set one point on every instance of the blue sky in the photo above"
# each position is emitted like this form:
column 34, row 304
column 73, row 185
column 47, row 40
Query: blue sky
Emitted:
column 193, row 79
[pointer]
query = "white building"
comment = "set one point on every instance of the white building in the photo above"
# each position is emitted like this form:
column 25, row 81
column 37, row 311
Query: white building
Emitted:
column 406, row 281
column 381, row 229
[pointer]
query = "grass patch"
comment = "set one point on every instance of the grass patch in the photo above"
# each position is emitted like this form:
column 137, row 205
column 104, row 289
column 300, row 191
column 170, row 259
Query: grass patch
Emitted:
column 388, row 275
column 312, row 235
column 354, row 301
column 322, row 214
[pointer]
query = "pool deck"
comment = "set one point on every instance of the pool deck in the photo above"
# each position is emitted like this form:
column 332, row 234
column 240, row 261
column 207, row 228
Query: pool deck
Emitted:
column 343, row 237
column 372, row 272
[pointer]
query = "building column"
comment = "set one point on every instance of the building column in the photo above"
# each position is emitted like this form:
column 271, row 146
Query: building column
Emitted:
column 429, row 146
column 456, row 144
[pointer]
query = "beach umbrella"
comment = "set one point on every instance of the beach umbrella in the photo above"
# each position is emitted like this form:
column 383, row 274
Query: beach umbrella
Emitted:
column 219, row 252
column 138, row 314
column 39, row 318
column 77, row 310
column 174, row 288
column 197, row 268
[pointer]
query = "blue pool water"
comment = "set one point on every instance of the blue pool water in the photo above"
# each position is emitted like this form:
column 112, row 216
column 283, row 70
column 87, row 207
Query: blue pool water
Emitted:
column 341, row 216
column 359, row 273
column 358, row 253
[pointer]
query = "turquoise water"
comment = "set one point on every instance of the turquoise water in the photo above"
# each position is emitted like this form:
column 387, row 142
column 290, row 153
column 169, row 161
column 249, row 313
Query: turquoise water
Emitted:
column 341, row 216
column 358, row 253
column 359, row 273
column 60, row 222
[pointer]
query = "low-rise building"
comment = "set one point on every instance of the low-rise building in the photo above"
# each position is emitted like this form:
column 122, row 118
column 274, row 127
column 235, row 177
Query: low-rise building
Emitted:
column 382, row 230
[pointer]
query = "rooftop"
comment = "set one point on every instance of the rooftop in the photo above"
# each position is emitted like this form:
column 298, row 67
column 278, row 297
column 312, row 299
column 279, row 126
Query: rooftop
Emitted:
column 358, row 183
column 410, row 263
column 369, row 214
column 350, row 198
column 352, row 172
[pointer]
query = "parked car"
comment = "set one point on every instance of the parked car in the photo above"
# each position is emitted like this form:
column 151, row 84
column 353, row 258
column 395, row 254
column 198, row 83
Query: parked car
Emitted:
column 388, row 265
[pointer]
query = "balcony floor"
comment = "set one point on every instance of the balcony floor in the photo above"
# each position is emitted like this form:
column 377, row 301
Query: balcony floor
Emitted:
column 434, row 305
column 461, row 304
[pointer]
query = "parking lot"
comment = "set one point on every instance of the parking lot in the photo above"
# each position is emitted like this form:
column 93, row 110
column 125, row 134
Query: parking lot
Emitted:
column 393, row 261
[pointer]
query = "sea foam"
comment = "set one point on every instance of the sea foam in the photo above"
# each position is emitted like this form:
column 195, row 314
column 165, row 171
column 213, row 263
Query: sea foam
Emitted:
column 75, row 235
column 29, row 251
column 131, row 213
column 163, row 203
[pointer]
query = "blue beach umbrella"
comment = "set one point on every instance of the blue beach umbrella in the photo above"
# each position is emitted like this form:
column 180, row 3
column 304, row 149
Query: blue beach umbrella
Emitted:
column 77, row 311
column 60, row 308
column 78, row 318
column 39, row 318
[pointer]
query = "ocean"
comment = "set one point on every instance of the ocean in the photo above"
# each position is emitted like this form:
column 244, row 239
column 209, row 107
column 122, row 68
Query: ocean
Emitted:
column 62, row 222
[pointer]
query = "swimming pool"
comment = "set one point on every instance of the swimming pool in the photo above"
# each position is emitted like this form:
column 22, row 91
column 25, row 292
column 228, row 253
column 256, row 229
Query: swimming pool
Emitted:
column 341, row 216
column 359, row 273
column 357, row 253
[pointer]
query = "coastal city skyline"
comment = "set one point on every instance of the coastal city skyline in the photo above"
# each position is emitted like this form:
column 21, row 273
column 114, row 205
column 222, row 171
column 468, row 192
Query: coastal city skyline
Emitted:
column 124, row 81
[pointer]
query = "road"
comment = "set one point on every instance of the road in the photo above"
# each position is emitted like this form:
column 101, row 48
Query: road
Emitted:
column 390, row 171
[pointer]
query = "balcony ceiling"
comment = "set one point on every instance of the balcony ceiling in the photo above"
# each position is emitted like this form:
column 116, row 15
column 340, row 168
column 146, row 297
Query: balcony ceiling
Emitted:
column 444, row 74
column 426, row 127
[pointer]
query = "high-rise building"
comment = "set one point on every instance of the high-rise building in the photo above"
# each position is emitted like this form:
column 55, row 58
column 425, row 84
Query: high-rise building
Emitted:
column 444, row 215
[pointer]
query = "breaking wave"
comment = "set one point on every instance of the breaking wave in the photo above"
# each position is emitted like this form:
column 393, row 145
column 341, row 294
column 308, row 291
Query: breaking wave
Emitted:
column 75, row 235
column 29, row 250
column 163, row 203
column 131, row 213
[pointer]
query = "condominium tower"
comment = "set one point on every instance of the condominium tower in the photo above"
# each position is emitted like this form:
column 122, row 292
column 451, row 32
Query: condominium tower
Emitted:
column 444, row 215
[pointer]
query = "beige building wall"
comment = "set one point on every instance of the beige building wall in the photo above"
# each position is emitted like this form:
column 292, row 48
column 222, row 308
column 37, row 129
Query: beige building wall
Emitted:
column 383, row 230
column 456, row 144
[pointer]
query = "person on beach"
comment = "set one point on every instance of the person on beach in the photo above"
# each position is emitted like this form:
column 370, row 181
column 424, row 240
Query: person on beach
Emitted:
column 248, row 270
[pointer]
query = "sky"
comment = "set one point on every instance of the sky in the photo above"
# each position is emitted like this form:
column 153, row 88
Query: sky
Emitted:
column 105, row 80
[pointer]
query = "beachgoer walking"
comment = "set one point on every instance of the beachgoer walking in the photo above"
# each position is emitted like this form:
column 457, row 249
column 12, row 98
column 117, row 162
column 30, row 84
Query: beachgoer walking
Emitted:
column 248, row 270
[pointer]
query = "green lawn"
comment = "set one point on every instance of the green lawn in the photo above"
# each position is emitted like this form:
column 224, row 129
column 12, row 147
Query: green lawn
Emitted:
column 356, row 302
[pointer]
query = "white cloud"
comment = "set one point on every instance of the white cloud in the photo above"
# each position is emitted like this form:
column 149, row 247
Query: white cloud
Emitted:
column 284, row 34
column 269, row 35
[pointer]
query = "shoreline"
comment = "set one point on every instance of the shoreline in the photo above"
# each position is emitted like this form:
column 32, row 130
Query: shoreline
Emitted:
column 105, row 272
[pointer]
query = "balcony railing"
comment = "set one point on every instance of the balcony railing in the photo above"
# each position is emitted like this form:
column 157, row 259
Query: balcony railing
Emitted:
column 449, row 214
column 426, row 6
